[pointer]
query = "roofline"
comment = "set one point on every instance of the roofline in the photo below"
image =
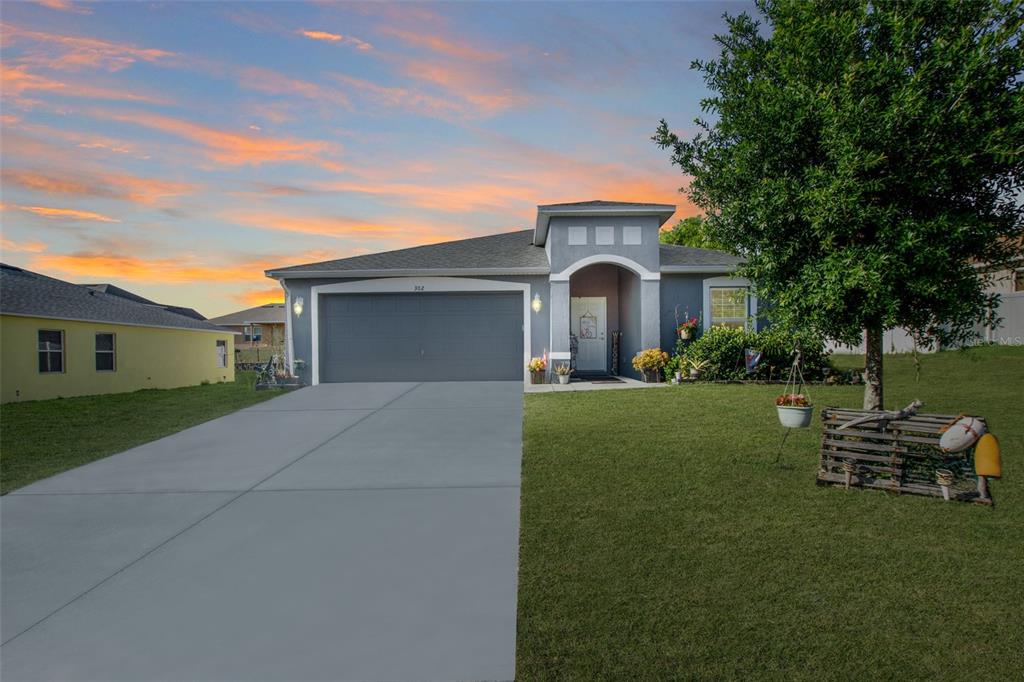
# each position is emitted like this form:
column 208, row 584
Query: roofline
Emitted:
column 123, row 324
column 546, row 212
column 682, row 269
column 447, row 272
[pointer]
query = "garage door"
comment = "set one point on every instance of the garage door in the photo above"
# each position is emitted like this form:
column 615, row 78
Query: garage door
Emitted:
column 421, row 337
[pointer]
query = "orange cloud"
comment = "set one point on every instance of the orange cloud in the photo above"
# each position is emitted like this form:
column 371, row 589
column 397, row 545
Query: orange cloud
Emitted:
column 120, row 186
column 181, row 269
column 403, row 98
column 68, row 214
column 76, row 52
column 274, row 83
column 64, row 6
column 336, row 38
column 397, row 232
column 262, row 296
column 16, row 81
column 21, row 247
column 234, row 149
column 482, row 88
column 446, row 47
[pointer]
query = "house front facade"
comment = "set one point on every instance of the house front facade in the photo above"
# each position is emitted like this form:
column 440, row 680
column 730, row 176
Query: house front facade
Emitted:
column 59, row 340
column 590, row 285
column 259, row 327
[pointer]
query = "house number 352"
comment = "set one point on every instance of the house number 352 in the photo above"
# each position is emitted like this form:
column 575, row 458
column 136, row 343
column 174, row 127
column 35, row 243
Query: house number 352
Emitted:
column 418, row 287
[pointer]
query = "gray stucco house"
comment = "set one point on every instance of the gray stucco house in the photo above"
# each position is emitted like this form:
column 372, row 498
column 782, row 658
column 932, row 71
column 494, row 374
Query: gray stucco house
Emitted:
column 480, row 308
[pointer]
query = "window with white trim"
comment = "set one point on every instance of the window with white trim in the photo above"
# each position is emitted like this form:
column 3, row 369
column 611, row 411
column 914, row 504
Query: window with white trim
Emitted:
column 105, row 352
column 51, row 351
column 257, row 333
column 222, row 353
column 729, row 307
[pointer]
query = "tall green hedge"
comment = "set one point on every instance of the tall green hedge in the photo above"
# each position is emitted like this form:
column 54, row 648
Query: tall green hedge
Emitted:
column 724, row 349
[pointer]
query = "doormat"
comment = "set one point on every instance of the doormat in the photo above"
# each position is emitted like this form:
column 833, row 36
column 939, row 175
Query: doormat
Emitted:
column 607, row 379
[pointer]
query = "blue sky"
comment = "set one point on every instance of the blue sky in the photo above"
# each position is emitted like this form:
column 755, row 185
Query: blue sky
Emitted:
column 179, row 149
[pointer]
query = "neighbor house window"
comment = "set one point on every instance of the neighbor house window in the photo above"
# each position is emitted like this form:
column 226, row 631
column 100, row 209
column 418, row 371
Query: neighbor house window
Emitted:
column 51, row 350
column 257, row 333
column 729, row 307
column 247, row 333
column 222, row 353
column 1018, row 280
column 105, row 361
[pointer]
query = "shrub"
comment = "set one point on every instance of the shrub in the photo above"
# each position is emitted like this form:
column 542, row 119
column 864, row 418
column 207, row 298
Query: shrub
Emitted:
column 723, row 348
column 650, row 359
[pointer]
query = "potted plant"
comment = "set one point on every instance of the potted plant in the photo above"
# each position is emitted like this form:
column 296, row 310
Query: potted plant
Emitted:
column 674, row 369
column 795, row 410
column 298, row 364
column 687, row 328
column 650, row 362
column 563, row 371
column 697, row 367
column 538, row 368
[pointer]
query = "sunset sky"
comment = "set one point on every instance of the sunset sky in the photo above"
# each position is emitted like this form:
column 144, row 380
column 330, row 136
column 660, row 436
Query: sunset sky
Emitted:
column 179, row 149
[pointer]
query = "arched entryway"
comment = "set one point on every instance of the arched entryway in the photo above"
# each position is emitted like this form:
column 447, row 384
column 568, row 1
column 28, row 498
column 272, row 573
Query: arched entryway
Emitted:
column 604, row 319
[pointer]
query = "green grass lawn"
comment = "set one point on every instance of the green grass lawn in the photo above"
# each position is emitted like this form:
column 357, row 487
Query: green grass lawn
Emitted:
column 44, row 437
column 660, row 541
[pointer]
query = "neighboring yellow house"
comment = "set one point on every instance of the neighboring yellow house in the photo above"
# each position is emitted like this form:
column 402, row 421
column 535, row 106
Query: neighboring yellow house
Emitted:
column 59, row 340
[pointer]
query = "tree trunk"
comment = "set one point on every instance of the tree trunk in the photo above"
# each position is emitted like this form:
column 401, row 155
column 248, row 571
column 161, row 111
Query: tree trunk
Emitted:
column 873, row 368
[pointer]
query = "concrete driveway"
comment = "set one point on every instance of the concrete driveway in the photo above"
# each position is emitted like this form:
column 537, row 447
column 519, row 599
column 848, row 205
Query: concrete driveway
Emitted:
column 340, row 532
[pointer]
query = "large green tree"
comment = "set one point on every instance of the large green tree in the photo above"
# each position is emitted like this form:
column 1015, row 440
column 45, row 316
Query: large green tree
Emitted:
column 864, row 158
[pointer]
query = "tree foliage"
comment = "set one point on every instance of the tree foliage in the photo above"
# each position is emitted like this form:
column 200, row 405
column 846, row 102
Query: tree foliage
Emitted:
column 863, row 157
column 690, row 232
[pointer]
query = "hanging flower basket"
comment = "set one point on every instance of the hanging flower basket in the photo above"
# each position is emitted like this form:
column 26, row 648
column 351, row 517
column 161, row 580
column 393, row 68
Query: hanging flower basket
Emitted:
column 793, row 417
column 684, row 334
column 794, row 407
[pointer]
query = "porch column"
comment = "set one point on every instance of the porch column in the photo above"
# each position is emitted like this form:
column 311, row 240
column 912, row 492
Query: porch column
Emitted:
column 650, row 313
column 559, row 307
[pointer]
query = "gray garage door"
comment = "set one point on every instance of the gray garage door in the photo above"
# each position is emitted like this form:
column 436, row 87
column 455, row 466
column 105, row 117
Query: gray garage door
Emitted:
column 421, row 337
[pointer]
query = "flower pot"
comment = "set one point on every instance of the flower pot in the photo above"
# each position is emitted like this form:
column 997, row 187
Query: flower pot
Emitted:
column 694, row 374
column 652, row 376
column 795, row 417
column 563, row 379
column 684, row 334
column 537, row 377
column 679, row 377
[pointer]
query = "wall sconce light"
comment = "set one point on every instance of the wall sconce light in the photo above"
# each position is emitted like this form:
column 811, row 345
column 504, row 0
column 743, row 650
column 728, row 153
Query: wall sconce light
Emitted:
column 536, row 304
column 297, row 306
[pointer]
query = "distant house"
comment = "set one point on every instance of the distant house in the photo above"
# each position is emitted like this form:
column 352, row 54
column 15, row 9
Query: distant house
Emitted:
column 259, row 327
column 61, row 340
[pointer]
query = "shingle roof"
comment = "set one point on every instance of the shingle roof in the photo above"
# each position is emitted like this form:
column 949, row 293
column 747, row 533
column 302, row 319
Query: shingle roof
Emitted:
column 28, row 293
column 114, row 290
column 601, row 203
column 261, row 314
column 672, row 255
column 508, row 251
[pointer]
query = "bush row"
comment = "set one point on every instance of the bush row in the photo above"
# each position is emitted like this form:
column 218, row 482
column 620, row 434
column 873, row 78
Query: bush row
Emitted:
column 723, row 348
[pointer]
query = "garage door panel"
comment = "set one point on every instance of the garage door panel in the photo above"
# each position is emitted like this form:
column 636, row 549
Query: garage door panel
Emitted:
column 421, row 337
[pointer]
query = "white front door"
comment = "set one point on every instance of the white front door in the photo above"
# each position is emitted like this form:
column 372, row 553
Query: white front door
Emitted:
column 588, row 320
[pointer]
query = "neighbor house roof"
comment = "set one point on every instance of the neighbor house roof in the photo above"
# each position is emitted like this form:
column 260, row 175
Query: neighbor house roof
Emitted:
column 113, row 290
column 271, row 313
column 597, row 207
column 496, row 254
column 509, row 253
column 29, row 294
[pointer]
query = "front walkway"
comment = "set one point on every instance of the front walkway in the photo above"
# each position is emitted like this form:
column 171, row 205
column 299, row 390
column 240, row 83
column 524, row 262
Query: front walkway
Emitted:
column 341, row 532
column 577, row 385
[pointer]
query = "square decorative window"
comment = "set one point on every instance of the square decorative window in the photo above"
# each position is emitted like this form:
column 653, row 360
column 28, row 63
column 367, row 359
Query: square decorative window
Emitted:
column 105, row 352
column 257, row 333
column 51, row 351
column 577, row 236
column 222, row 353
column 729, row 307
column 632, row 235
column 605, row 234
